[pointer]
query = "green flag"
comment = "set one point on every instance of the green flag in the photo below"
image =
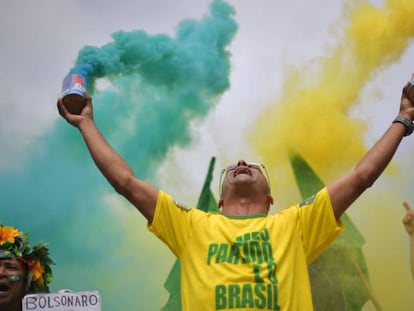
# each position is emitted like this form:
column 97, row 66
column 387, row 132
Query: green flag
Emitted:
column 172, row 285
column 207, row 203
column 336, row 280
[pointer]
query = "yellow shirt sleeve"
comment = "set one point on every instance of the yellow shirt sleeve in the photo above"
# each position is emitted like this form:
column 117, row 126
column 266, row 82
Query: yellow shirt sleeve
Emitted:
column 317, row 220
column 173, row 222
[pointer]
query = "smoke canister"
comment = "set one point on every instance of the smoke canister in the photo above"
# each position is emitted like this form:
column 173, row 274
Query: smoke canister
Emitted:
column 73, row 87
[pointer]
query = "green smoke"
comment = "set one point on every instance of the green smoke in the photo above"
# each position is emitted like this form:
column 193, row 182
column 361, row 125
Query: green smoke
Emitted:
column 156, row 87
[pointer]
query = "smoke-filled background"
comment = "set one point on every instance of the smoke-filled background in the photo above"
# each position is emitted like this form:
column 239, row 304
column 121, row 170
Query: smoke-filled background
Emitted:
column 177, row 82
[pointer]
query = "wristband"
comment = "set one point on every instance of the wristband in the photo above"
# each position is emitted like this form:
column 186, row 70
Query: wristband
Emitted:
column 408, row 123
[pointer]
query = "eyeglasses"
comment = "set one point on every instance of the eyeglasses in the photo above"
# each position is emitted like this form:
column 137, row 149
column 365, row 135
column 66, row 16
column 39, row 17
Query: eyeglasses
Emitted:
column 253, row 165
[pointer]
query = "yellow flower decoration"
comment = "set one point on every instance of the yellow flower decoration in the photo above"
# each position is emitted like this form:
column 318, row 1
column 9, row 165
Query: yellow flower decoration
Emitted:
column 37, row 270
column 7, row 234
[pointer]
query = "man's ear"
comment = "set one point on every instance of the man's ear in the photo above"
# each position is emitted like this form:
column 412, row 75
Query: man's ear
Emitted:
column 270, row 199
column 220, row 203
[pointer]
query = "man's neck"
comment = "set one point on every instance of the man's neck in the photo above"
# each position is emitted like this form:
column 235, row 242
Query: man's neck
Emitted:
column 244, row 207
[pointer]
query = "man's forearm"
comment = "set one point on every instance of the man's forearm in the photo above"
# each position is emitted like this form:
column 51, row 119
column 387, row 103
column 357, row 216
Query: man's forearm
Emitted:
column 109, row 162
column 377, row 158
column 346, row 190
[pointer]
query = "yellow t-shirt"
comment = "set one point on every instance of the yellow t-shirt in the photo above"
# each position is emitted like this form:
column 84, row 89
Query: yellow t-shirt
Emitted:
column 256, row 262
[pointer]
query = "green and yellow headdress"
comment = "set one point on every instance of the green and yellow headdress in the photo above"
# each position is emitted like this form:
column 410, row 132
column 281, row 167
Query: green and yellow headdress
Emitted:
column 36, row 258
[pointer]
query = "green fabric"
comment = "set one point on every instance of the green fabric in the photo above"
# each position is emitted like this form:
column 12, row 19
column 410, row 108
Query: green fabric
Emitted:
column 336, row 284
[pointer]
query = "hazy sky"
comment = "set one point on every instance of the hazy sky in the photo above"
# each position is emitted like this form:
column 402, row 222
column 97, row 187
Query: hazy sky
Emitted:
column 278, row 50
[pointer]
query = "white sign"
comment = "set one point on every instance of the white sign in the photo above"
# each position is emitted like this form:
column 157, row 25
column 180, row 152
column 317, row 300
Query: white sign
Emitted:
column 63, row 301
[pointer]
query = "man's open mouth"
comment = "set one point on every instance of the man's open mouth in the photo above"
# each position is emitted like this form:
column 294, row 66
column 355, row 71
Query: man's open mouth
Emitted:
column 242, row 170
column 4, row 287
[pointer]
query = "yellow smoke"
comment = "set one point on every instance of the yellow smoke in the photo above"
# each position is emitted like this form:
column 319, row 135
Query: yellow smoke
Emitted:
column 312, row 117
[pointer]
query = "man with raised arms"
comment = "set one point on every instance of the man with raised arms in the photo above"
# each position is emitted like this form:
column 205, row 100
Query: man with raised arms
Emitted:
column 244, row 258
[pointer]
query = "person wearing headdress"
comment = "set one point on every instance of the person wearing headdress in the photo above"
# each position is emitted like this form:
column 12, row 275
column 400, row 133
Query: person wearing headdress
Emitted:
column 24, row 269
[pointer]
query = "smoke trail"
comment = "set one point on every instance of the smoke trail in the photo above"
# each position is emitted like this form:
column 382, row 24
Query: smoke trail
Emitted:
column 312, row 116
column 166, row 82
column 157, row 86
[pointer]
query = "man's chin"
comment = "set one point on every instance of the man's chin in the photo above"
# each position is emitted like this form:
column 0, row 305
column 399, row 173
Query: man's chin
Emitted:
column 5, row 297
